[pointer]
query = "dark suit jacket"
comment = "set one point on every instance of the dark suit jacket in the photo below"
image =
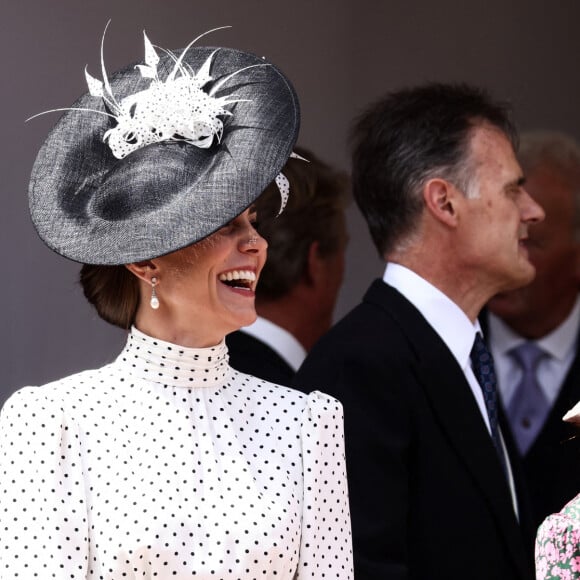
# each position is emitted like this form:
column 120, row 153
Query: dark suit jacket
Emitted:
column 552, row 464
column 254, row 357
column 429, row 499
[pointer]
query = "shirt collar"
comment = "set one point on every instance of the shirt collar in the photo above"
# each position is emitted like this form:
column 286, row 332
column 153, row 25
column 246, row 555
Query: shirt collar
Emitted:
column 279, row 340
column 443, row 315
column 558, row 343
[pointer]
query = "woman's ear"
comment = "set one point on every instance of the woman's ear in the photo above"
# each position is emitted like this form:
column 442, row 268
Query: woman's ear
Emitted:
column 144, row 270
column 441, row 201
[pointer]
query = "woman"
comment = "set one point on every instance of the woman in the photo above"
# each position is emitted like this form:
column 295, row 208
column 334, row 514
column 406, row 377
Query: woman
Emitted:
column 558, row 538
column 167, row 463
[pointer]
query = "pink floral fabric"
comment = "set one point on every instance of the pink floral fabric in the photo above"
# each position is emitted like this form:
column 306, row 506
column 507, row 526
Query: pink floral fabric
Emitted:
column 558, row 544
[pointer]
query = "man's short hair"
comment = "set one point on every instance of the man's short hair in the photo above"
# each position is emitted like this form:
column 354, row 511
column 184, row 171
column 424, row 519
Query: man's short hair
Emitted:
column 559, row 152
column 314, row 213
column 409, row 137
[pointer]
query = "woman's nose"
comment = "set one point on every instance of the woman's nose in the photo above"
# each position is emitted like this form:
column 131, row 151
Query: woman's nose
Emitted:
column 254, row 242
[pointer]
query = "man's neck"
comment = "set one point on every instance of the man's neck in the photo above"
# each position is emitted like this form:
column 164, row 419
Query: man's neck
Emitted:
column 461, row 287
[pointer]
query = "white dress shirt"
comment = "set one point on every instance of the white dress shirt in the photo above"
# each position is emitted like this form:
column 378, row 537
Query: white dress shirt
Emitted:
column 279, row 340
column 560, row 345
column 453, row 327
column 446, row 319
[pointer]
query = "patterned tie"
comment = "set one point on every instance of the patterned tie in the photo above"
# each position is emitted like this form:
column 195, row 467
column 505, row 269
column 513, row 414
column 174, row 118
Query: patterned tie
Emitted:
column 484, row 372
column 528, row 408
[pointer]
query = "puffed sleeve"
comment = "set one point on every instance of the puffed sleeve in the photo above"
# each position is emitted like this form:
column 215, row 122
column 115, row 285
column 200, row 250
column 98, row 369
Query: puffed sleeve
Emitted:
column 558, row 544
column 326, row 544
column 43, row 519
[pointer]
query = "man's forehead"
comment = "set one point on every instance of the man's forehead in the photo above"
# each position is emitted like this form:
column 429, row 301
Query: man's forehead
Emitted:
column 488, row 143
column 486, row 134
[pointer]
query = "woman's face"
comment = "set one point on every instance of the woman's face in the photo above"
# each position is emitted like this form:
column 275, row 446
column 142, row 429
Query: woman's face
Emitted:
column 207, row 289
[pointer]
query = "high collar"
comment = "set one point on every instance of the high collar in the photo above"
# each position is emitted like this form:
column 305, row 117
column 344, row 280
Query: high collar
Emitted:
column 174, row 365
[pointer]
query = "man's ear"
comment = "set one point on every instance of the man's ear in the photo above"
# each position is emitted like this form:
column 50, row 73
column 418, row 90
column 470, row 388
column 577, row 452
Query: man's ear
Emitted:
column 144, row 270
column 441, row 201
column 315, row 273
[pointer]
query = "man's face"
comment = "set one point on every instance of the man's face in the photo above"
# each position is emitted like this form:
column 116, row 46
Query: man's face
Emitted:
column 493, row 227
column 555, row 254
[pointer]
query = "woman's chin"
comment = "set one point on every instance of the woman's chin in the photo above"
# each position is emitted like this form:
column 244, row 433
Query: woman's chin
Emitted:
column 239, row 319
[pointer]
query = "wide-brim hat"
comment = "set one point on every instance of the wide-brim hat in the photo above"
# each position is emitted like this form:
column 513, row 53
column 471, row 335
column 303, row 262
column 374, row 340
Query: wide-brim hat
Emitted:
column 91, row 206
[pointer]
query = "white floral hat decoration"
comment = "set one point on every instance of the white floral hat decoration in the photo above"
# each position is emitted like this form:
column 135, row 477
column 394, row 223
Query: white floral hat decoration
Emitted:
column 161, row 154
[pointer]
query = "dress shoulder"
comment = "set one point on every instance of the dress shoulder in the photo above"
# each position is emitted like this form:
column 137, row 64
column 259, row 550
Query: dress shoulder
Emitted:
column 58, row 392
column 32, row 403
column 40, row 461
column 323, row 407
column 314, row 406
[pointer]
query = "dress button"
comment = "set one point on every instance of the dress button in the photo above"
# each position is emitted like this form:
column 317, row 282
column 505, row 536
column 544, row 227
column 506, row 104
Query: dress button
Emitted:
column 526, row 423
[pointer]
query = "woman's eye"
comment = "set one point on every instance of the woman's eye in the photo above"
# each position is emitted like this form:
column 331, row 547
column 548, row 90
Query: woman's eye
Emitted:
column 226, row 229
column 239, row 223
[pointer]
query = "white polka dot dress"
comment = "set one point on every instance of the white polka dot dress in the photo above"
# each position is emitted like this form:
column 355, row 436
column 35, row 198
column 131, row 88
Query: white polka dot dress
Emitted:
column 168, row 463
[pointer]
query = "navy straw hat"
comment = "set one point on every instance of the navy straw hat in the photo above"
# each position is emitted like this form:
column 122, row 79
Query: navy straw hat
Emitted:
column 121, row 179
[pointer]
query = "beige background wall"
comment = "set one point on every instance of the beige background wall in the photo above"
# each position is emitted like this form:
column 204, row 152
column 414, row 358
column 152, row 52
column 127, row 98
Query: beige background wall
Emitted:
column 340, row 54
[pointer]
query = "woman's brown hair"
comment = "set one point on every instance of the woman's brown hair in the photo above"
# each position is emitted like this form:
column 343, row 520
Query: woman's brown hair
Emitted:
column 113, row 291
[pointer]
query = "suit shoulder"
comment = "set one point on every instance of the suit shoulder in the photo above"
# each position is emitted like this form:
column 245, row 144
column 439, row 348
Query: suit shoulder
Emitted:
column 365, row 332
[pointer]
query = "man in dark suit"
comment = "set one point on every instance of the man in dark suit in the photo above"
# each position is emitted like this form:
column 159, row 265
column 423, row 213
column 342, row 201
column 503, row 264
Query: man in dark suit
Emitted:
column 543, row 319
column 299, row 284
column 431, row 480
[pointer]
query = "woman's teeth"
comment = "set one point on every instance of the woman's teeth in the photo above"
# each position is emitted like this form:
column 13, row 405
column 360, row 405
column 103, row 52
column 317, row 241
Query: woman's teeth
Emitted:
column 243, row 277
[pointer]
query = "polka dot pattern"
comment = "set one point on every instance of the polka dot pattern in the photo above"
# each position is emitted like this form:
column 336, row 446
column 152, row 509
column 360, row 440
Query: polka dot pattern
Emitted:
column 168, row 463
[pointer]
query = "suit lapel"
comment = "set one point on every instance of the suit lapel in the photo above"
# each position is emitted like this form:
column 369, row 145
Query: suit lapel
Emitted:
column 456, row 410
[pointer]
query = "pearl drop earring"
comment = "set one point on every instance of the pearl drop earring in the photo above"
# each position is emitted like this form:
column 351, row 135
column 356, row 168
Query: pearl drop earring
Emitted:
column 154, row 302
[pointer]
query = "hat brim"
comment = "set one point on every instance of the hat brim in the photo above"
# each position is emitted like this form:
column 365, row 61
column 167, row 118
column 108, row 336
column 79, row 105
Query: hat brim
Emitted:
column 93, row 208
